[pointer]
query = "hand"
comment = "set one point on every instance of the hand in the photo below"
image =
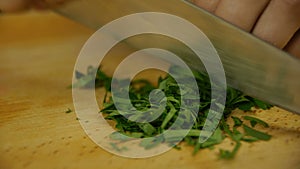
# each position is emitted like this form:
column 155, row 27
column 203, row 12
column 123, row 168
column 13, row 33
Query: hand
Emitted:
column 20, row 5
column 275, row 21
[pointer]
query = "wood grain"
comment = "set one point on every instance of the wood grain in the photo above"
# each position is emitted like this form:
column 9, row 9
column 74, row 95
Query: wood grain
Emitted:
column 37, row 56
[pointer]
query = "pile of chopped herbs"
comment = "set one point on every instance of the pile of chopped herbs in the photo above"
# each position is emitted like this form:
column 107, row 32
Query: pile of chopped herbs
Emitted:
column 139, row 94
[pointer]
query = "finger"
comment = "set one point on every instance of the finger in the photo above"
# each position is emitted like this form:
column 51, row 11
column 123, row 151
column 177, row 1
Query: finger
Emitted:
column 293, row 47
column 242, row 13
column 209, row 5
column 14, row 5
column 279, row 22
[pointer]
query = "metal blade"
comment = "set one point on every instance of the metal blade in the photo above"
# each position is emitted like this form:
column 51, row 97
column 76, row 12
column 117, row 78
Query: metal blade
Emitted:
column 251, row 65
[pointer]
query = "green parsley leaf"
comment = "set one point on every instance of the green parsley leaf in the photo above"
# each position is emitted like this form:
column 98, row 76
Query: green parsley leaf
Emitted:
column 255, row 121
column 226, row 154
column 255, row 133
column 237, row 121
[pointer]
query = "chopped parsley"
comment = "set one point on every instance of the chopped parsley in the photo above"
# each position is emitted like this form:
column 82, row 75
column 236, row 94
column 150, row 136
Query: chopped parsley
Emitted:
column 139, row 96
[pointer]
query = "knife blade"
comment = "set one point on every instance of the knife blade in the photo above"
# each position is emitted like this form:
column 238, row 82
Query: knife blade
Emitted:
column 251, row 65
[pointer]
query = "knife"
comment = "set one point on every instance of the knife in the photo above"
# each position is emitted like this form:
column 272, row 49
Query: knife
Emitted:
column 251, row 65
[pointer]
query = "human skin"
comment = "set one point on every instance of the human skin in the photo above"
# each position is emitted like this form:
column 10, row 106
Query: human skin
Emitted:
column 275, row 21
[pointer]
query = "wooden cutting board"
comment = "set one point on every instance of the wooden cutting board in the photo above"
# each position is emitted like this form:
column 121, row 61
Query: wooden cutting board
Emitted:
column 37, row 55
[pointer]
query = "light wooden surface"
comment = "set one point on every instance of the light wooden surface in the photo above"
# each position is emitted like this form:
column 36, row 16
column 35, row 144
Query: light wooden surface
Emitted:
column 37, row 56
